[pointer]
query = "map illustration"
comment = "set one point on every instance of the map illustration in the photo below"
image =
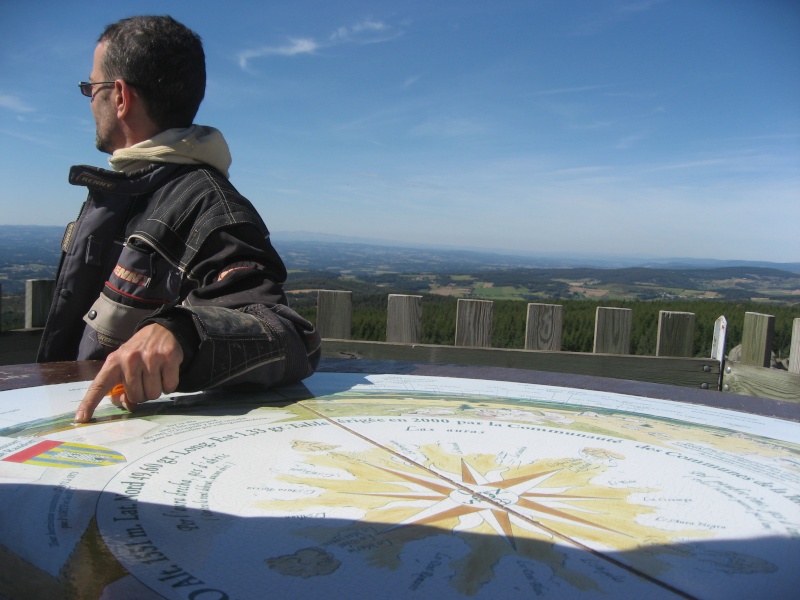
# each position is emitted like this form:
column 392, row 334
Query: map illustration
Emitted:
column 396, row 486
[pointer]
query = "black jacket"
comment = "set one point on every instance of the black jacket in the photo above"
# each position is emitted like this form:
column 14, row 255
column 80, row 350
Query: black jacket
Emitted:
column 177, row 245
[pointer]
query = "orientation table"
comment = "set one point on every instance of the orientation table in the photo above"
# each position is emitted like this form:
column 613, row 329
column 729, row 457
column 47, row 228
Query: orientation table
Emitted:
column 383, row 479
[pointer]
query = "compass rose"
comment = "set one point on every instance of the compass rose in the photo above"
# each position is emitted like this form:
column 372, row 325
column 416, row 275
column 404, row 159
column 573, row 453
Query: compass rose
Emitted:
column 473, row 498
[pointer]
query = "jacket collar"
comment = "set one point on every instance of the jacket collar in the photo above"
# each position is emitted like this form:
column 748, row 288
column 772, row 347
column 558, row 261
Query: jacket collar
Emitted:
column 113, row 182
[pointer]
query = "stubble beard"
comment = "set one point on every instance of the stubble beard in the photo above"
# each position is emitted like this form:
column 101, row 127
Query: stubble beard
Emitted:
column 102, row 143
column 104, row 127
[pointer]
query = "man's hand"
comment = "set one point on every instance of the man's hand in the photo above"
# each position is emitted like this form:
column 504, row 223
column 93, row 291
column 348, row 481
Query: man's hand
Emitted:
column 147, row 365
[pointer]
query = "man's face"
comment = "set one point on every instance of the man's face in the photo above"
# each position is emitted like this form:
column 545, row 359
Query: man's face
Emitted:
column 103, row 109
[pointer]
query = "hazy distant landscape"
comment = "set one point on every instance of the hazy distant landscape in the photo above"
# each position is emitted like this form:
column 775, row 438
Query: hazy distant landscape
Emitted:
column 494, row 276
column 29, row 252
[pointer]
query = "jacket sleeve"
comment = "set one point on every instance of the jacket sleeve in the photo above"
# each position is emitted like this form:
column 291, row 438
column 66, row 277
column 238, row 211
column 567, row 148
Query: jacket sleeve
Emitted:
column 233, row 321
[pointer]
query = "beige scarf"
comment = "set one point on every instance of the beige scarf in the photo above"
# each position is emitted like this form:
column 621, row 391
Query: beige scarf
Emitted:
column 197, row 144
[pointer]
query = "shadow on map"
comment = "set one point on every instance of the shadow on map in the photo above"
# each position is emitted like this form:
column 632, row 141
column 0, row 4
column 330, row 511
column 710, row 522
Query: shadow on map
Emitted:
column 228, row 401
column 117, row 547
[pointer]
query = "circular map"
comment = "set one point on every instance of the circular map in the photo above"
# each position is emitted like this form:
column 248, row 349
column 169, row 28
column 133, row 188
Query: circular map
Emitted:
column 392, row 486
column 440, row 492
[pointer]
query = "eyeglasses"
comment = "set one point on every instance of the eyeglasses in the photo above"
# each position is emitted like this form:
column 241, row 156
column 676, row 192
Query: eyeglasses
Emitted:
column 86, row 86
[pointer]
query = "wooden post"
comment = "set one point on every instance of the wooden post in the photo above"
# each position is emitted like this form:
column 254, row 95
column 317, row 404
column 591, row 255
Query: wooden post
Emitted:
column 38, row 297
column 757, row 335
column 474, row 323
column 612, row 330
column 794, row 349
column 675, row 333
column 404, row 319
column 544, row 327
column 335, row 314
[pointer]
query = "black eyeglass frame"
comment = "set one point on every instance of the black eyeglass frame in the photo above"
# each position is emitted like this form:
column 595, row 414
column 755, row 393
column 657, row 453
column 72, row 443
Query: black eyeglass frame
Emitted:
column 87, row 86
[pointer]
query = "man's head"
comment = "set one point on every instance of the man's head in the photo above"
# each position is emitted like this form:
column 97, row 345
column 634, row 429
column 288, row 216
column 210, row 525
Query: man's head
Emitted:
column 162, row 60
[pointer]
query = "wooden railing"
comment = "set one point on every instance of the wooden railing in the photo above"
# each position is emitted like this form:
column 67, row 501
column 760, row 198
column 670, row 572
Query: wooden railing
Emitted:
column 611, row 357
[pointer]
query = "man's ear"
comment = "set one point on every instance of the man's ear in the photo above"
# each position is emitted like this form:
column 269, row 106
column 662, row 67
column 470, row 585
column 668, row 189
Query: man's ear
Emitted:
column 123, row 98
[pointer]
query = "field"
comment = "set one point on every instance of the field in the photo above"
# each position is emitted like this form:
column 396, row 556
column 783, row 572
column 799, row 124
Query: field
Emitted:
column 738, row 284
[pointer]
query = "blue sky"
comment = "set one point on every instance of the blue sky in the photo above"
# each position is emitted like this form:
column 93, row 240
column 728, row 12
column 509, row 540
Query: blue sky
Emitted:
column 646, row 128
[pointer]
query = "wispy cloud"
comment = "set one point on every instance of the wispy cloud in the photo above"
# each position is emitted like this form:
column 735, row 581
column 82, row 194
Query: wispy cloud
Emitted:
column 640, row 6
column 365, row 32
column 449, row 127
column 294, row 47
column 693, row 164
column 614, row 14
column 14, row 104
column 33, row 139
column 630, row 140
column 571, row 90
column 410, row 81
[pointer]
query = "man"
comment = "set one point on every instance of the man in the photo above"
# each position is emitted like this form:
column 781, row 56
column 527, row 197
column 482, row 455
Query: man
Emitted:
column 168, row 274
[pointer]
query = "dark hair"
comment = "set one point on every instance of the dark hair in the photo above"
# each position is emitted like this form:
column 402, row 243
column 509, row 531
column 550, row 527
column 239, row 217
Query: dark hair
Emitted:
column 163, row 60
